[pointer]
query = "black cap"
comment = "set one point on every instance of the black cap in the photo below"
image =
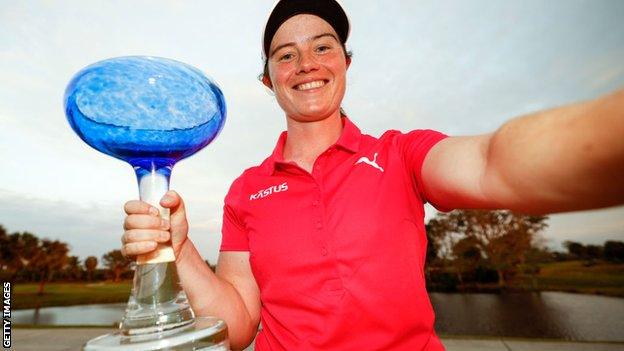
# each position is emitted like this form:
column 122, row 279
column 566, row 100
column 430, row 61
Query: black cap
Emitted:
column 329, row 10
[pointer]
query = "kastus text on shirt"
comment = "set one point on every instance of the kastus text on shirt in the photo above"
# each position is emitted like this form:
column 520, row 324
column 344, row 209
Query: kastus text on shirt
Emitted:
column 268, row 191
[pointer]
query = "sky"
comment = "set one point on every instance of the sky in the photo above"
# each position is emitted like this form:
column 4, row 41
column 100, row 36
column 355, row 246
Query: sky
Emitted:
column 460, row 67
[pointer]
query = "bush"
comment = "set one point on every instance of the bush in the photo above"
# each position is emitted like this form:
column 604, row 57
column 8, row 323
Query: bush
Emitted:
column 614, row 251
column 442, row 281
column 486, row 275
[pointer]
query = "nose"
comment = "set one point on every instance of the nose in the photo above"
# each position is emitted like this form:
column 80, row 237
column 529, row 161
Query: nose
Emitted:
column 307, row 63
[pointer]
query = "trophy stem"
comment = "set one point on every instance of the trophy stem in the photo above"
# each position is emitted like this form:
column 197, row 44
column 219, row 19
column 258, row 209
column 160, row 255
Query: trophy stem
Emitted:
column 157, row 301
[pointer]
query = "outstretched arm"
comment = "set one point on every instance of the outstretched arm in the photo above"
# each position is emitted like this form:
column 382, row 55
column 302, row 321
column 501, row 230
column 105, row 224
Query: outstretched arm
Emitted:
column 564, row 159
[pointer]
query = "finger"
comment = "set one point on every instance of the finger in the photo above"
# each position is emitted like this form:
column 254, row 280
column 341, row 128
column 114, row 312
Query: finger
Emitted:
column 135, row 235
column 145, row 222
column 172, row 200
column 138, row 248
column 124, row 253
column 177, row 216
column 140, row 207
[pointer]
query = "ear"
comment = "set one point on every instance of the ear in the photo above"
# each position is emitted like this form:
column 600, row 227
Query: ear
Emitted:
column 348, row 61
column 267, row 81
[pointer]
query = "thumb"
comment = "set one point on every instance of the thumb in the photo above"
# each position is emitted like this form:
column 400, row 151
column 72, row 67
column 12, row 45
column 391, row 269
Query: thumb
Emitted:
column 177, row 216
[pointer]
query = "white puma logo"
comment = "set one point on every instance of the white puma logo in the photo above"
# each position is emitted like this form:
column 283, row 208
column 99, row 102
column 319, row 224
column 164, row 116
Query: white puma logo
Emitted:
column 372, row 163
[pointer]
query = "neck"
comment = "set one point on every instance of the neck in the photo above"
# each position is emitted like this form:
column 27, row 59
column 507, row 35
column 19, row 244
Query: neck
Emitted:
column 307, row 140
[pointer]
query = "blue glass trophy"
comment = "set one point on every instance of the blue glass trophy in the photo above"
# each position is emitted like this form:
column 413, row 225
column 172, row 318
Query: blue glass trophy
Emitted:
column 151, row 113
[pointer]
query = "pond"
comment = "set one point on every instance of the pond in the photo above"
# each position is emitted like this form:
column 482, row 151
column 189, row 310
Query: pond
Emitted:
column 534, row 315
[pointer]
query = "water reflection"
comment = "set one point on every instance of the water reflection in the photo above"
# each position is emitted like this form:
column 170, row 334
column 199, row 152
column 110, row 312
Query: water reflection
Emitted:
column 97, row 315
column 543, row 315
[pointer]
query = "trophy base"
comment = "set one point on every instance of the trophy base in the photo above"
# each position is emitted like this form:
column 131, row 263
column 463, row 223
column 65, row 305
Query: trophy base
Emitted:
column 205, row 334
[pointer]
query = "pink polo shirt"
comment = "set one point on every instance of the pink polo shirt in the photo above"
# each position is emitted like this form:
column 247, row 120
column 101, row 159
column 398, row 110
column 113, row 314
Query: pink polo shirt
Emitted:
column 338, row 254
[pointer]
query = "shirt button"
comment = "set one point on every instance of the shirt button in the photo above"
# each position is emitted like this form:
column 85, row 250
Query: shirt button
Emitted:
column 315, row 203
column 319, row 225
column 324, row 251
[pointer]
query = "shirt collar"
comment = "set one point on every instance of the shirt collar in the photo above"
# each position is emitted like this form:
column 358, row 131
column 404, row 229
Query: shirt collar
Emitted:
column 349, row 140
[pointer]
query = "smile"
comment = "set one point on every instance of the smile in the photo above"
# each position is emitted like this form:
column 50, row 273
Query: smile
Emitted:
column 310, row 85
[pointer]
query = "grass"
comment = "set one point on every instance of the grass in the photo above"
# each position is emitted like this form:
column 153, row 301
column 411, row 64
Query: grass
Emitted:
column 67, row 294
column 601, row 278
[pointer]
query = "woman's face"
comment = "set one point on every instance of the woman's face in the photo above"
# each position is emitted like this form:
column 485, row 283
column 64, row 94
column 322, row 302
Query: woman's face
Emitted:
column 307, row 68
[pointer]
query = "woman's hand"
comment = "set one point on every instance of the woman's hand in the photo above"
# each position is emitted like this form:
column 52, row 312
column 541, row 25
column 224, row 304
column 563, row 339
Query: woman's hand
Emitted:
column 145, row 228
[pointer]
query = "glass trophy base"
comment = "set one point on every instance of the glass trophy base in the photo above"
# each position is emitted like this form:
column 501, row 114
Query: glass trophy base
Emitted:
column 205, row 334
column 157, row 302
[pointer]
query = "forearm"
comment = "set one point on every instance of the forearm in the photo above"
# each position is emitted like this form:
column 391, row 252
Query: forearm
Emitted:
column 209, row 295
column 564, row 159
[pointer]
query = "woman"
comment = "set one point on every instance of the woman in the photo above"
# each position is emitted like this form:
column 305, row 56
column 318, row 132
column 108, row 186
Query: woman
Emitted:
column 324, row 241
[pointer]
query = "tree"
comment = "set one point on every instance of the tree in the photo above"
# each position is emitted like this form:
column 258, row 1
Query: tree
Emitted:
column 5, row 255
column 466, row 256
column 576, row 250
column 593, row 252
column 50, row 257
column 117, row 263
column 16, row 252
column 26, row 254
column 5, row 249
column 73, row 269
column 614, row 251
column 90, row 265
column 502, row 236
column 534, row 257
column 441, row 238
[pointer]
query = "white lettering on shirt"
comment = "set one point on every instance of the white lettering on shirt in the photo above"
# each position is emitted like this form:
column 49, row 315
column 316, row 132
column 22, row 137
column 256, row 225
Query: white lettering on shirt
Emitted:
column 268, row 191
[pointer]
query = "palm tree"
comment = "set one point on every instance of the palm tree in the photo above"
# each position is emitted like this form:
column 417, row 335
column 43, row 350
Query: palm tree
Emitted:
column 117, row 263
column 51, row 257
column 16, row 251
column 90, row 264
column 73, row 270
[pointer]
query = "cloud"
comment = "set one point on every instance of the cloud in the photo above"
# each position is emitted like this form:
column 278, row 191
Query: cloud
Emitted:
column 594, row 227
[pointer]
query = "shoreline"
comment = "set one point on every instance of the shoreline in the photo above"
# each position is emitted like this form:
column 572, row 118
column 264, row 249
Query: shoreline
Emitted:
column 469, row 290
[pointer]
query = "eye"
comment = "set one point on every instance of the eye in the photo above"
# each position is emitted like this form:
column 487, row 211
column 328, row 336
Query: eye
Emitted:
column 286, row 57
column 323, row 48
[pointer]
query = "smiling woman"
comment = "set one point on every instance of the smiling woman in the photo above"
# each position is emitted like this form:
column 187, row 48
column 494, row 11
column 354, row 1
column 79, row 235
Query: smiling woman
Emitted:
column 307, row 69
column 334, row 260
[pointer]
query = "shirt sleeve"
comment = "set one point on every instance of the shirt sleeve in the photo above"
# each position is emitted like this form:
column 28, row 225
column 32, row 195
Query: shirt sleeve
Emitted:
column 414, row 147
column 233, row 231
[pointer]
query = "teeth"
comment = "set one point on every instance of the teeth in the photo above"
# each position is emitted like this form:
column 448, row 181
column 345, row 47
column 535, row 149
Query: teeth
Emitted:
column 311, row 85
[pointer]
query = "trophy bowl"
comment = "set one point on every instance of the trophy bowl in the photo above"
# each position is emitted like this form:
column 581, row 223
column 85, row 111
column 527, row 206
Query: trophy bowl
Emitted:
column 150, row 112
